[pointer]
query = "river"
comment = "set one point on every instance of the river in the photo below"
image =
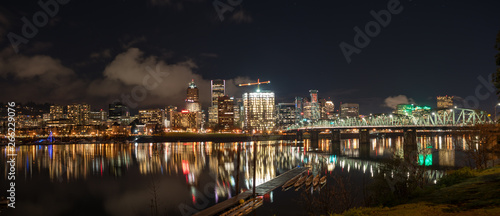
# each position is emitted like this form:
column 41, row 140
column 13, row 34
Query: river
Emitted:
column 185, row 177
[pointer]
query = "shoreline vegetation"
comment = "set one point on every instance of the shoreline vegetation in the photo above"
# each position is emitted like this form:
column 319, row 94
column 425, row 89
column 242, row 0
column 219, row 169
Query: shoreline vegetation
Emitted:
column 461, row 192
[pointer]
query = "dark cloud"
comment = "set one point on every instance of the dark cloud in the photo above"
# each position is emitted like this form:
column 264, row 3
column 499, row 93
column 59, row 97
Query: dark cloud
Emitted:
column 129, row 69
column 104, row 54
column 393, row 101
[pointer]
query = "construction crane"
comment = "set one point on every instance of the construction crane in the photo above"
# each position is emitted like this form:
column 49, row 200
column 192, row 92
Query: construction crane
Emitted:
column 255, row 83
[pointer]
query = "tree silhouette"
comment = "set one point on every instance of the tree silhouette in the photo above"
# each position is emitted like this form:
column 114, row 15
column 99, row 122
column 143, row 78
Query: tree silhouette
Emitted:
column 496, row 76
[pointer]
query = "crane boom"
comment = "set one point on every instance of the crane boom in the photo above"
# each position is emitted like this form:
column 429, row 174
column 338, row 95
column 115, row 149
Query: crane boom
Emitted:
column 255, row 83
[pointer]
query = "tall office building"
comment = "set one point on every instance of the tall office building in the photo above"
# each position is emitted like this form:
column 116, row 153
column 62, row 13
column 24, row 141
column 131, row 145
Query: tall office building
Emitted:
column 193, row 99
column 349, row 110
column 56, row 112
column 117, row 111
column 225, row 114
column 79, row 113
column 314, row 105
column 239, row 115
column 217, row 89
column 299, row 106
column 327, row 109
column 169, row 111
column 259, row 110
column 285, row 114
column 444, row 102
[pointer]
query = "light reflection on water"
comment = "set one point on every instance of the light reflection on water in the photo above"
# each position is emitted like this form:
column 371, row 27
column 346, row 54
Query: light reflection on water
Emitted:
column 193, row 165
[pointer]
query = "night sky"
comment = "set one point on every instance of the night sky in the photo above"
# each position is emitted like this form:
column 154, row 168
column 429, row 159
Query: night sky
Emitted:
column 94, row 51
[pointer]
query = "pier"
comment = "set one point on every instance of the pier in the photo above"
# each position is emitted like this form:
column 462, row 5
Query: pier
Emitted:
column 259, row 191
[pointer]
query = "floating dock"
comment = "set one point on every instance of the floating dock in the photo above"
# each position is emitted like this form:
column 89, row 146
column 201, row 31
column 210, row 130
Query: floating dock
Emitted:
column 259, row 190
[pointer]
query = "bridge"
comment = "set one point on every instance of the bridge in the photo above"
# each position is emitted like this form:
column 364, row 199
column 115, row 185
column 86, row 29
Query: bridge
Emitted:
column 446, row 119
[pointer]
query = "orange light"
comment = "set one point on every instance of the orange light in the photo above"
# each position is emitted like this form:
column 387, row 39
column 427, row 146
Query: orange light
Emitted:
column 185, row 111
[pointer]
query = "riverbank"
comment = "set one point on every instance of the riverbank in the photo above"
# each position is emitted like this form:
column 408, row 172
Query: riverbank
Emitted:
column 476, row 194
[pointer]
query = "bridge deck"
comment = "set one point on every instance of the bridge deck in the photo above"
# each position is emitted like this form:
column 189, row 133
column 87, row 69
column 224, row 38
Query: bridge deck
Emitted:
column 259, row 190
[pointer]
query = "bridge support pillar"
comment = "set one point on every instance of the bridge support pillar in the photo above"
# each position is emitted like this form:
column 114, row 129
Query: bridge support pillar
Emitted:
column 314, row 139
column 299, row 135
column 335, row 146
column 410, row 150
column 364, row 143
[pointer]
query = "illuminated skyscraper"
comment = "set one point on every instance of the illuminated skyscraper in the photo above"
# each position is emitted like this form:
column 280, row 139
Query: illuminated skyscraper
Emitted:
column 327, row 109
column 217, row 89
column 349, row 110
column 299, row 109
column 259, row 110
column 314, row 105
column 193, row 99
column 225, row 112
column 444, row 102
column 314, row 96
column 239, row 114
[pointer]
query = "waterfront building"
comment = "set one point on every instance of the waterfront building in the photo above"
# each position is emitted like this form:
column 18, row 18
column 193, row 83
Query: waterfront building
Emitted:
column 314, row 106
column 327, row 109
column 299, row 109
column 56, row 112
column 421, row 110
column 225, row 112
column 259, row 110
column 169, row 110
column 404, row 109
column 285, row 114
column 445, row 102
column 349, row 110
column 79, row 113
column 239, row 115
column 117, row 111
column 152, row 116
column 193, row 99
column 97, row 118
column 186, row 121
column 217, row 89
column 411, row 109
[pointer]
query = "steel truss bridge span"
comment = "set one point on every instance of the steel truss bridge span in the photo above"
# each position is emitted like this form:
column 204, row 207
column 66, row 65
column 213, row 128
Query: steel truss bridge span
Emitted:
column 442, row 119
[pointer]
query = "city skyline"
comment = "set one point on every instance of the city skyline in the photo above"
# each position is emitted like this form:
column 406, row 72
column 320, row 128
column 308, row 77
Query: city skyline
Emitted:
column 236, row 107
column 302, row 53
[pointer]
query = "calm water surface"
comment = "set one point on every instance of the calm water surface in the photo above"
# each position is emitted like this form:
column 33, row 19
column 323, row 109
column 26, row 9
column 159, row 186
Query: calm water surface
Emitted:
column 120, row 179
